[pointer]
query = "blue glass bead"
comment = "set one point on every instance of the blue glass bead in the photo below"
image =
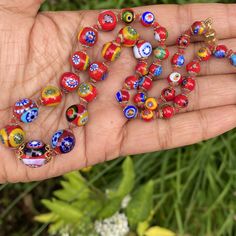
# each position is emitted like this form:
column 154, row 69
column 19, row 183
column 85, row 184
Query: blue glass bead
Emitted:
column 178, row 60
column 147, row 18
column 130, row 112
column 220, row 51
column 233, row 59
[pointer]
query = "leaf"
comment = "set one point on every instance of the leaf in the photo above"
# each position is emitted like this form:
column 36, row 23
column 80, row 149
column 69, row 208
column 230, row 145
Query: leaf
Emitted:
column 110, row 208
column 53, row 228
column 46, row 218
column 140, row 205
column 64, row 210
column 127, row 182
column 142, row 227
column 158, row 231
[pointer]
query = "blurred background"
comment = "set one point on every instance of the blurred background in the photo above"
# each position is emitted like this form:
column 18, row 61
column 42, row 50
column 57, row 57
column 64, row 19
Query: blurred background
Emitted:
column 184, row 191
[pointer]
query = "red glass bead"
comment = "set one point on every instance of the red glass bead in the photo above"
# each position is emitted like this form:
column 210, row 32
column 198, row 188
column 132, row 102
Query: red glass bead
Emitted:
column 181, row 101
column 198, row 28
column 193, row 68
column 220, row 51
column 98, row 71
column 88, row 36
column 155, row 69
column 139, row 99
column 69, row 82
column 77, row 114
column 188, row 84
column 141, row 68
column 168, row 94
column 204, row 54
column 142, row 49
column 80, row 60
column 111, row 51
column 160, row 34
column 147, row 115
column 174, row 78
column 183, row 41
column 177, row 60
column 145, row 83
column 87, row 92
column 107, row 20
column 123, row 96
column 131, row 82
column 128, row 36
column 51, row 96
column 166, row 112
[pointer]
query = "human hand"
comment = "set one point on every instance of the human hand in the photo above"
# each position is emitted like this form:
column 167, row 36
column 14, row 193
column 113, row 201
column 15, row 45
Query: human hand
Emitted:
column 35, row 48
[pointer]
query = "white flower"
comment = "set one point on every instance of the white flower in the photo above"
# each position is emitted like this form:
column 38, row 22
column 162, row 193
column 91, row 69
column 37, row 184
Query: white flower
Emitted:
column 125, row 201
column 116, row 225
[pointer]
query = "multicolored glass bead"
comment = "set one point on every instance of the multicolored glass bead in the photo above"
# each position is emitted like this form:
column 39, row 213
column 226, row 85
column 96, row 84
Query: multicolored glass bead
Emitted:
column 77, row 114
column 98, row 71
column 147, row 18
column 151, row 103
column 139, row 99
column 88, row 36
column 145, row 83
column 131, row 82
column 51, row 96
column 233, row 59
column 183, row 41
column 147, row 115
column 141, row 68
column 181, row 101
column 63, row 141
column 12, row 135
column 26, row 110
column 193, row 67
column 160, row 34
column 69, row 82
column 220, row 51
column 198, row 28
column 107, row 20
column 188, row 84
column 87, row 92
column 166, row 112
column 178, row 60
column 142, row 49
column 130, row 112
column 167, row 94
column 155, row 69
column 161, row 53
column 111, row 51
column 80, row 60
column 174, row 78
column 128, row 36
column 127, row 16
column 123, row 96
column 204, row 53
column 34, row 153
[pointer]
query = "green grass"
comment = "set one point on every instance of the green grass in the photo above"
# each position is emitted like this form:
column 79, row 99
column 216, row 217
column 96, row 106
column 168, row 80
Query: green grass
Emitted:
column 195, row 186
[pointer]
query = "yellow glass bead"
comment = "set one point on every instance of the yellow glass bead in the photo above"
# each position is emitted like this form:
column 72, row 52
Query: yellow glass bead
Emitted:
column 51, row 96
column 151, row 103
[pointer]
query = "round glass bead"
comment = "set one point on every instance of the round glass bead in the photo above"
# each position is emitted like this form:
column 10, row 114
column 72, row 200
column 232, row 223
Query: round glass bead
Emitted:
column 181, row 101
column 147, row 115
column 51, row 96
column 69, row 82
column 147, row 18
column 141, row 68
column 220, row 51
column 139, row 99
column 131, row 82
column 233, row 59
column 98, row 71
column 145, row 83
column 128, row 36
column 127, row 16
column 123, row 96
column 166, row 112
column 174, row 78
column 151, row 103
column 142, row 49
column 204, row 53
column 80, row 60
column 34, row 153
column 160, row 34
column 183, row 41
column 130, row 112
column 188, row 84
column 25, row 110
column 111, row 51
column 198, row 28
column 178, row 60
column 87, row 92
column 88, row 36
column 63, row 141
column 12, row 135
column 168, row 94
column 155, row 69
column 107, row 20
column 77, row 114
column 161, row 53
column 193, row 68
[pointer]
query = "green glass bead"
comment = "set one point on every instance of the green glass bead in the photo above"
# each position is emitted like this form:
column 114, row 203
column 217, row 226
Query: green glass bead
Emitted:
column 161, row 53
column 127, row 16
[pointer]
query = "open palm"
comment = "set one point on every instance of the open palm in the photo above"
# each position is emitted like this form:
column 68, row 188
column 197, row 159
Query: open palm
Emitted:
column 34, row 50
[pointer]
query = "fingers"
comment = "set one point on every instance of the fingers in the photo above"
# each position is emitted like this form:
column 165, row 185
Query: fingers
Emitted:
column 183, row 129
column 20, row 7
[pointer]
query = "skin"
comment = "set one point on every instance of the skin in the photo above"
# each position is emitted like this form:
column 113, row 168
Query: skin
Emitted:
column 35, row 48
